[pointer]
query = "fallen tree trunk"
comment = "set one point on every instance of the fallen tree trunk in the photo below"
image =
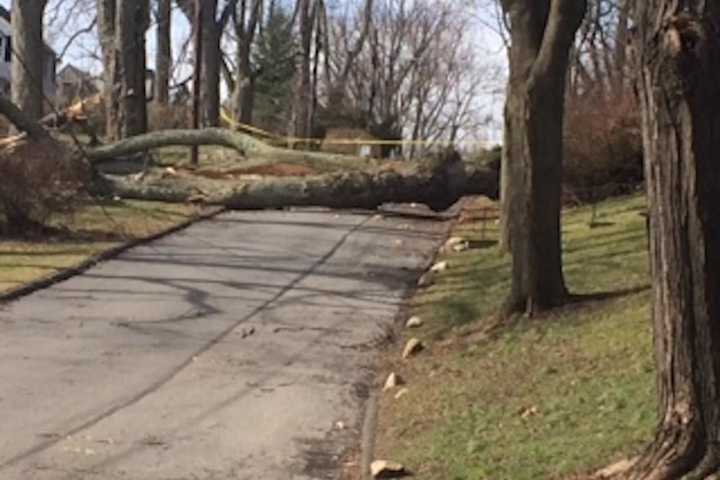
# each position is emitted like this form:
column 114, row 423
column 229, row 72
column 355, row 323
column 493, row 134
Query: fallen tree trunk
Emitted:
column 439, row 182
column 438, row 188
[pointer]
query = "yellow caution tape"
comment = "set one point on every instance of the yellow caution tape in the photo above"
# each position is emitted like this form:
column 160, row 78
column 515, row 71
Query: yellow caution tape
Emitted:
column 334, row 141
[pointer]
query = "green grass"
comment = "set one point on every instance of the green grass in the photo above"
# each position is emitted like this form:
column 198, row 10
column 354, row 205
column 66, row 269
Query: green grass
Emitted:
column 550, row 397
column 92, row 229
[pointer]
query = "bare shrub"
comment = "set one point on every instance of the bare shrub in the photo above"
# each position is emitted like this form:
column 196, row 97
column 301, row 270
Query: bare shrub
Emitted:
column 603, row 147
column 38, row 180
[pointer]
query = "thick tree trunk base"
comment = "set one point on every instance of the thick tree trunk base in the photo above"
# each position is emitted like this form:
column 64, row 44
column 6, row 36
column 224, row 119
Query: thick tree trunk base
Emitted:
column 524, row 304
column 673, row 454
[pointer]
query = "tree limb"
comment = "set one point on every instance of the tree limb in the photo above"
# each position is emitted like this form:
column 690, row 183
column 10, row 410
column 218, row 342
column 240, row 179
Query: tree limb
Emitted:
column 22, row 121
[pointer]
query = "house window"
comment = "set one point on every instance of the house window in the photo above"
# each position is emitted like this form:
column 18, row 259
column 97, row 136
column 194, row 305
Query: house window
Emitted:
column 8, row 50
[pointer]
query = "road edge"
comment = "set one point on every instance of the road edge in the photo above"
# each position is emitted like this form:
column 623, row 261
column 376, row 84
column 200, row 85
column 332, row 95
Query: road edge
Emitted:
column 369, row 425
column 67, row 273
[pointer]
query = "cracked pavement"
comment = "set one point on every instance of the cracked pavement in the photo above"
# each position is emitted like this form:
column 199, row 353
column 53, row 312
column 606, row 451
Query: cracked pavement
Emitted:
column 239, row 348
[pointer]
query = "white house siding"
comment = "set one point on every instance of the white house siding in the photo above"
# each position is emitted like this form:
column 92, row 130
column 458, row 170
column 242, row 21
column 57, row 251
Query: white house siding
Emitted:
column 49, row 68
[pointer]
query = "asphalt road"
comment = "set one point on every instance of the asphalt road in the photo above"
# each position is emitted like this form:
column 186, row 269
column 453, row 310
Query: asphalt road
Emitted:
column 240, row 348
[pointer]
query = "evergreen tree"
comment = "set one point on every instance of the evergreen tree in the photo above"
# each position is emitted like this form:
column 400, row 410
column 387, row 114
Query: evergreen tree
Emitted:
column 274, row 60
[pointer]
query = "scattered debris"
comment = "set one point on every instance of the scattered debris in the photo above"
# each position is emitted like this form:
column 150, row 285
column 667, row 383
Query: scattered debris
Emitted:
column 246, row 332
column 401, row 393
column 616, row 469
column 414, row 322
column 529, row 412
column 440, row 267
column 452, row 242
column 153, row 441
column 387, row 469
column 393, row 380
column 412, row 347
column 461, row 247
column 426, row 280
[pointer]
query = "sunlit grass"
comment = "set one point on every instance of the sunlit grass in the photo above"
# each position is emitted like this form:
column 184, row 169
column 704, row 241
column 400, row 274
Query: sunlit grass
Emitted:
column 92, row 229
column 544, row 398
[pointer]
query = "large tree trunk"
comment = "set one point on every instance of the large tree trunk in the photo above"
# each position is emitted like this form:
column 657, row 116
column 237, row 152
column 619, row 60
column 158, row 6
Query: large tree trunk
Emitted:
column 132, row 21
column 438, row 185
column 542, row 33
column 163, row 55
column 244, row 96
column 680, row 97
column 211, row 65
column 28, row 56
column 302, row 108
column 246, row 26
column 106, row 32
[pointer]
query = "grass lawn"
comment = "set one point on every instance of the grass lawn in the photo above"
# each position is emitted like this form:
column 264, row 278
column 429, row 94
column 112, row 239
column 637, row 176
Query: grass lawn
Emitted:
column 550, row 397
column 89, row 231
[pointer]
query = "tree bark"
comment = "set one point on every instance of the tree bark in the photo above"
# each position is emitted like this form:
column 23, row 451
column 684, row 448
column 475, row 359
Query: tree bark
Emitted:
column 27, row 68
column 680, row 98
column 211, row 65
column 301, row 125
column 21, row 121
column 244, row 144
column 106, row 32
column 163, row 56
column 132, row 22
column 542, row 34
column 439, row 186
column 246, row 26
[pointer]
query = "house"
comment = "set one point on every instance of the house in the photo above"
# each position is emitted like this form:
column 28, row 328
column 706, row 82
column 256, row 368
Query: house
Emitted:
column 74, row 84
column 351, row 141
column 6, row 57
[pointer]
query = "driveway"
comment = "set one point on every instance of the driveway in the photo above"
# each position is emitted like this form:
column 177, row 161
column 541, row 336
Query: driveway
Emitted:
column 240, row 348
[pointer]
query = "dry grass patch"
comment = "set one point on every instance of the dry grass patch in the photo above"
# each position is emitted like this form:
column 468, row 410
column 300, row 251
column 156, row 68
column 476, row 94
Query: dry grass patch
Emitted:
column 74, row 237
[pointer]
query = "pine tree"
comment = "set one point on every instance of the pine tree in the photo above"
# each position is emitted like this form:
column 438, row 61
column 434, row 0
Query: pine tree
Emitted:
column 274, row 59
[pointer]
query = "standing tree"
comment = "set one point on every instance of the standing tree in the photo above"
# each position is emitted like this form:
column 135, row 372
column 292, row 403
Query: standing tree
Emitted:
column 542, row 33
column 29, row 56
column 301, row 126
column 274, row 59
column 679, row 87
column 212, row 57
column 106, row 33
column 247, row 21
column 121, row 27
column 132, row 22
column 163, row 55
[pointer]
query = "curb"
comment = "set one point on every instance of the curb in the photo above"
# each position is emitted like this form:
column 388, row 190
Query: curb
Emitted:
column 85, row 265
column 367, row 445
column 367, row 439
